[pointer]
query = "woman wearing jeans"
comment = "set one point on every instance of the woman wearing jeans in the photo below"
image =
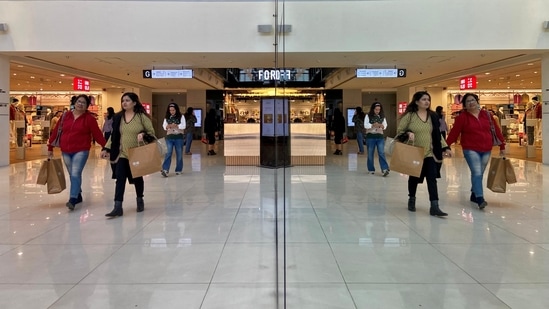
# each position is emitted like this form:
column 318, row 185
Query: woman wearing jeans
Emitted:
column 375, row 123
column 474, row 126
column 174, row 124
column 78, row 128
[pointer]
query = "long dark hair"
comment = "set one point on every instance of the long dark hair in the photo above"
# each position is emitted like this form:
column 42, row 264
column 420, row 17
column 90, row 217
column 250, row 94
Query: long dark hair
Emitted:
column 177, row 111
column 371, row 113
column 189, row 112
column 86, row 98
column 360, row 112
column 212, row 113
column 110, row 112
column 138, row 108
column 412, row 106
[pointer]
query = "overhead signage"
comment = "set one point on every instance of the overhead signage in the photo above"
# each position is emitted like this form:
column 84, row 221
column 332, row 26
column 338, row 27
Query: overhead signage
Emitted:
column 271, row 74
column 380, row 73
column 468, row 82
column 81, row 84
column 183, row 73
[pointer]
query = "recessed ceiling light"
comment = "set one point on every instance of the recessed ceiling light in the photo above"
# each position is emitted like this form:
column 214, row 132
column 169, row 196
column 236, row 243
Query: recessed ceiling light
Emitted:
column 535, row 72
column 32, row 77
column 60, row 82
column 20, row 66
column 530, row 63
column 14, row 74
column 61, row 74
column 487, row 73
column 517, row 75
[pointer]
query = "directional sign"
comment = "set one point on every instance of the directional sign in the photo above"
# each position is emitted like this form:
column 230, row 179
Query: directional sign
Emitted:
column 168, row 73
column 380, row 73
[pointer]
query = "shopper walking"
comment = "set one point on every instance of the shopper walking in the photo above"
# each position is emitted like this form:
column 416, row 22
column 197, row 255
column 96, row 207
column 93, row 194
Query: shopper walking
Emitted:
column 107, row 125
column 191, row 120
column 129, row 126
column 77, row 129
column 358, row 119
column 422, row 126
column 441, row 118
column 337, row 129
column 375, row 123
column 475, row 128
column 174, row 124
column 211, row 129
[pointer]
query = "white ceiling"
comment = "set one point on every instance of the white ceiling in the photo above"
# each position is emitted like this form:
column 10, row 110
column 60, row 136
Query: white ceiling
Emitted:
column 41, row 71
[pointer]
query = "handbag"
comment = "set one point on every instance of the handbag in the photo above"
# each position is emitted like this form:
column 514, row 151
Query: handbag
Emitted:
column 57, row 141
column 389, row 145
column 407, row 159
column 144, row 160
column 42, row 178
column 496, row 176
column 162, row 146
column 510, row 176
column 495, row 139
column 204, row 140
column 56, row 176
column 345, row 139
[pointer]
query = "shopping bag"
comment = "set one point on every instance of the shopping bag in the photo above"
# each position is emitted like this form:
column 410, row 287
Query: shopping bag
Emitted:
column 56, row 176
column 162, row 146
column 510, row 176
column 407, row 159
column 144, row 160
column 496, row 175
column 344, row 140
column 42, row 178
column 389, row 145
column 204, row 140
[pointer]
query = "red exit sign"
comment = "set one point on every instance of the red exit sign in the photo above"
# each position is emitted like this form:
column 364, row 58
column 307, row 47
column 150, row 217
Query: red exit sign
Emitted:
column 468, row 82
column 81, row 84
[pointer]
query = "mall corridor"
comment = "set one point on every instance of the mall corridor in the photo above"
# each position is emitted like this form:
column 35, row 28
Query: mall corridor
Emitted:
column 207, row 239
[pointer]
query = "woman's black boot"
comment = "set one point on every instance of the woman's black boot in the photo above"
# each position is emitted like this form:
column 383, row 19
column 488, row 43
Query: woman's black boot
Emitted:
column 140, row 204
column 473, row 198
column 412, row 203
column 435, row 210
column 117, row 211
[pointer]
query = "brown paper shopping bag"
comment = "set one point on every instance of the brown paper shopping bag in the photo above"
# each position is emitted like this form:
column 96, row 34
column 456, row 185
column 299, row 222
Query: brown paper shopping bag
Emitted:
column 42, row 178
column 496, row 175
column 407, row 159
column 510, row 176
column 144, row 160
column 56, row 176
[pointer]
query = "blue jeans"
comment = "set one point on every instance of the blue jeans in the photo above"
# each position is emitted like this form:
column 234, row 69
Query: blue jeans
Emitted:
column 477, row 162
column 75, row 163
column 360, row 141
column 178, row 145
column 188, row 142
column 372, row 143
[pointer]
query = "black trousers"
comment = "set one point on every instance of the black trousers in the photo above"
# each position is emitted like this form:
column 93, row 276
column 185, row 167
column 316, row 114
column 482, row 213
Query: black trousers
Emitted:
column 122, row 173
column 430, row 171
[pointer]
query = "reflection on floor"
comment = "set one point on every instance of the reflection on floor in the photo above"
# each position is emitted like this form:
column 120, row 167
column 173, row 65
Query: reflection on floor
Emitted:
column 208, row 239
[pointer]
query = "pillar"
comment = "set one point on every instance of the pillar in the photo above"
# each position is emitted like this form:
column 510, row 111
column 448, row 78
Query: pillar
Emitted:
column 4, row 110
column 545, row 105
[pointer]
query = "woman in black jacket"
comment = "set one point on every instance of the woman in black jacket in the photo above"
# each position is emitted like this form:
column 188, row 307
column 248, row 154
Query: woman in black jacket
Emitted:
column 337, row 130
column 211, row 128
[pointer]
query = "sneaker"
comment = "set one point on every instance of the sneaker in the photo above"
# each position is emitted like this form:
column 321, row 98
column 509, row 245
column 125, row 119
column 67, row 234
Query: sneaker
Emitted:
column 385, row 173
column 371, row 172
column 164, row 173
column 178, row 173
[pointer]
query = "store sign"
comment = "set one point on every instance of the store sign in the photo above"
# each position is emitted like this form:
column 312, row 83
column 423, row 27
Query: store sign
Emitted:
column 147, row 107
column 271, row 74
column 380, row 73
column 81, row 84
column 468, row 82
column 402, row 107
column 168, row 73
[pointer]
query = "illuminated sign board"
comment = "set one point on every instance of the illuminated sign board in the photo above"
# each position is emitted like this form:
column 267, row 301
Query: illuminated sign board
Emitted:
column 468, row 82
column 168, row 73
column 81, row 84
column 380, row 73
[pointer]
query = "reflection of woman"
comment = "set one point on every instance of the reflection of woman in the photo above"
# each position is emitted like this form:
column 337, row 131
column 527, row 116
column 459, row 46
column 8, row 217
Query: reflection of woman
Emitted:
column 337, row 129
column 358, row 119
column 211, row 128
column 78, row 128
column 375, row 123
column 474, row 126
column 174, row 124
column 190, row 119
column 128, row 128
column 422, row 126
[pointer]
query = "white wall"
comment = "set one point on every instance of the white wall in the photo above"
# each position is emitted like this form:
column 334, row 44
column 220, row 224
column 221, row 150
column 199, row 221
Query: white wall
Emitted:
column 318, row 26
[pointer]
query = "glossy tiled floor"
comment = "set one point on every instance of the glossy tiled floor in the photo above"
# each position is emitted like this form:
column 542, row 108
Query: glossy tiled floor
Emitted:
column 208, row 239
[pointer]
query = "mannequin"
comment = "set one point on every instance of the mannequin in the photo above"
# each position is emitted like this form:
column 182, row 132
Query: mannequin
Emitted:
column 536, row 107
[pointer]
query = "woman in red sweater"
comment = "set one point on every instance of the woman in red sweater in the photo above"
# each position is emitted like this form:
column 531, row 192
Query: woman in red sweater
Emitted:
column 77, row 129
column 474, row 126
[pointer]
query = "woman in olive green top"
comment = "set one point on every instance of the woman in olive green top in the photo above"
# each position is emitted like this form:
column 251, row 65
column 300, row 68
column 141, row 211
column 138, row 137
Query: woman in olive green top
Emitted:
column 422, row 126
column 129, row 126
